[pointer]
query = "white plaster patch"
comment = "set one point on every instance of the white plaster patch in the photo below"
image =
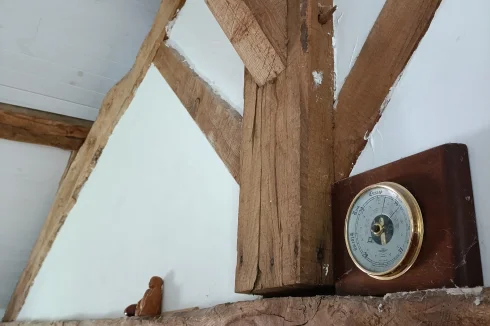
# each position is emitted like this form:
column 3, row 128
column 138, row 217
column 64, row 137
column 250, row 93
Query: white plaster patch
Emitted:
column 465, row 291
column 335, row 93
column 317, row 78
column 387, row 99
column 170, row 25
column 325, row 268
column 477, row 301
column 380, row 308
column 476, row 291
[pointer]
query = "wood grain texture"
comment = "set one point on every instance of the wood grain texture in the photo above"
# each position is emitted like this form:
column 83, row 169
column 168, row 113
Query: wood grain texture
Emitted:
column 42, row 128
column 394, row 37
column 68, row 165
column 459, row 307
column 220, row 123
column 115, row 104
column 284, row 223
column 440, row 180
column 272, row 18
column 263, row 54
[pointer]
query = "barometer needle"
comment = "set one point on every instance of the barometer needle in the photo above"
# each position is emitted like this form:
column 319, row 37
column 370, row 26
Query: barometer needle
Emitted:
column 383, row 236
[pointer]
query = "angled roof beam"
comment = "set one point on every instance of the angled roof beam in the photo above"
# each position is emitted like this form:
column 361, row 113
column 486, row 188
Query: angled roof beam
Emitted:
column 43, row 128
column 394, row 37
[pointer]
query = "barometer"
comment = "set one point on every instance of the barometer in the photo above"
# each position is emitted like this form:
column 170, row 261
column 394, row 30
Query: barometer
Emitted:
column 384, row 230
column 405, row 226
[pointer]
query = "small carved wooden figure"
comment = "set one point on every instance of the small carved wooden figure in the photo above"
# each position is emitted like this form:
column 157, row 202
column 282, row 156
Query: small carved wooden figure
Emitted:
column 151, row 303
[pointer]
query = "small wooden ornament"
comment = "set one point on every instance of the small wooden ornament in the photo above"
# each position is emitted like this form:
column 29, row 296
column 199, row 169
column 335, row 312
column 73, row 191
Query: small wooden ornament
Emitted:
column 130, row 310
column 151, row 303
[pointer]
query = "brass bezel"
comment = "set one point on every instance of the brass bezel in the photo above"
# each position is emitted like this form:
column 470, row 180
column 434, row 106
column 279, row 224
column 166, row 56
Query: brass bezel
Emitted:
column 416, row 229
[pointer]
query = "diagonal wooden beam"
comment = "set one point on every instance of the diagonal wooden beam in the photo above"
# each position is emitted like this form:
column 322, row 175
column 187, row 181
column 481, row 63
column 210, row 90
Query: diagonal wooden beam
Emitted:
column 43, row 128
column 220, row 123
column 257, row 30
column 461, row 306
column 113, row 107
column 394, row 37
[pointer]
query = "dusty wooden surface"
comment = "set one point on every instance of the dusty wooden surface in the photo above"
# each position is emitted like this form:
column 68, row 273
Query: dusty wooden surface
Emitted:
column 455, row 307
column 284, row 224
column 220, row 123
column 390, row 44
column 247, row 37
column 272, row 16
column 43, row 128
column 113, row 107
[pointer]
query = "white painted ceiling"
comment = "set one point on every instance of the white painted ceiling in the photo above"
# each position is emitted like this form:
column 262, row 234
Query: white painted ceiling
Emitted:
column 63, row 56
column 57, row 56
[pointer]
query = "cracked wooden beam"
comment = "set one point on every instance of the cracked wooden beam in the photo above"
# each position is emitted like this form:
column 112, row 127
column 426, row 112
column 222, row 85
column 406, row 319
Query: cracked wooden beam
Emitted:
column 394, row 37
column 284, row 222
column 42, row 128
column 459, row 306
column 257, row 31
column 113, row 107
column 220, row 123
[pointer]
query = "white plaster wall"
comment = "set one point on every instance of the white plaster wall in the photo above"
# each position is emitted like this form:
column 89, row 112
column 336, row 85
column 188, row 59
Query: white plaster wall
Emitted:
column 159, row 202
column 29, row 178
column 443, row 97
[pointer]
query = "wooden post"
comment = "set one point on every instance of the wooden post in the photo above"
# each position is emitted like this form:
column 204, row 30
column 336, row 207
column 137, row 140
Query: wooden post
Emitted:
column 284, row 225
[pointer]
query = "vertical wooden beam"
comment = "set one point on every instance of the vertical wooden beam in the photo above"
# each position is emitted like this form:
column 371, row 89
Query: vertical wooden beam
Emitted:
column 394, row 37
column 260, row 41
column 284, row 224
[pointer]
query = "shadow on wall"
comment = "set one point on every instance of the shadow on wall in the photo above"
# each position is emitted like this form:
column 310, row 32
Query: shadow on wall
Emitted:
column 479, row 152
column 171, row 291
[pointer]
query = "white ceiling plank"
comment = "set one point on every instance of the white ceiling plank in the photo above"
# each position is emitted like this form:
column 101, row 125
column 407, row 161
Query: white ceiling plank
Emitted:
column 58, row 73
column 45, row 103
column 72, row 52
column 45, row 86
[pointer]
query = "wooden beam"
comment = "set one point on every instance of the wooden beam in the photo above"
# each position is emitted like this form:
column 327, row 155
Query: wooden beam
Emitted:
column 284, row 223
column 458, row 306
column 257, row 30
column 390, row 44
column 68, row 165
column 43, row 128
column 220, row 123
column 113, row 107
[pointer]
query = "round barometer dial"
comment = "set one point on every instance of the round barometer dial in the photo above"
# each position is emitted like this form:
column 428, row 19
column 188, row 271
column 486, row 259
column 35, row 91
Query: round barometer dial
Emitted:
column 384, row 230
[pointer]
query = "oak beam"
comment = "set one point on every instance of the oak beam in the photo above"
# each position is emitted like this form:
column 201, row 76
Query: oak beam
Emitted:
column 42, row 128
column 394, row 37
column 284, row 222
column 460, row 306
column 257, row 31
column 220, row 123
column 113, row 107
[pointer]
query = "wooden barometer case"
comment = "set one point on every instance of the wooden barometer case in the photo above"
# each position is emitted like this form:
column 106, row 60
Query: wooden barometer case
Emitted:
column 408, row 225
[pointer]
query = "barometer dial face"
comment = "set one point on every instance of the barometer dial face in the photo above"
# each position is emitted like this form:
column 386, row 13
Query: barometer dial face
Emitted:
column 384, row 230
